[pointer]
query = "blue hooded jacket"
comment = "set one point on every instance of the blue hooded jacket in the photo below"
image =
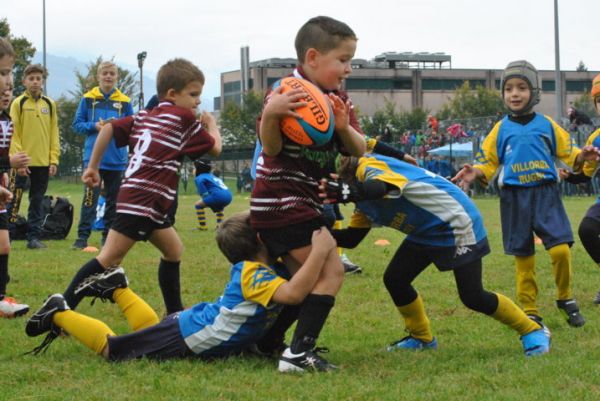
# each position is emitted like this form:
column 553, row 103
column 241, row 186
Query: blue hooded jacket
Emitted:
column 94, row 106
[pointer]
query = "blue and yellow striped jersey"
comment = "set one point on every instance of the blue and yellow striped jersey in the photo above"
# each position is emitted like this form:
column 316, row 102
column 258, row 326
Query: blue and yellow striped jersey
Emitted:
column 237, row 318
column 428, row 208
column 525, row 155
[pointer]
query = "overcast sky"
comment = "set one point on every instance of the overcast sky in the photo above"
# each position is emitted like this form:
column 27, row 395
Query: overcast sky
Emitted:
column 476, row 33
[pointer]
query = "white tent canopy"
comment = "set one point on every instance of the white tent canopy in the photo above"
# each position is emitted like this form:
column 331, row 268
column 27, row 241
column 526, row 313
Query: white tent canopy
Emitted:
column 456, row 149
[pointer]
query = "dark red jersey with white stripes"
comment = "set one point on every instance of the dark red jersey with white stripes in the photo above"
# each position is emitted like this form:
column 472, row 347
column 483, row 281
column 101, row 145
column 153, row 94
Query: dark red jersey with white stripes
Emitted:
column 158, row 140
column 286, row 190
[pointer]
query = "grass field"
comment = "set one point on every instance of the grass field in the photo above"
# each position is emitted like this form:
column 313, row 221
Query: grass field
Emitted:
column 478, row 358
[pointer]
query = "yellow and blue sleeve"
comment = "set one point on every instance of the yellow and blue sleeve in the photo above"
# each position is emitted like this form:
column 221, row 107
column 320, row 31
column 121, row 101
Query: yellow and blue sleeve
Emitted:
column 259, row 282
column 566, row 150
column 370, row 168
column 486, row 159
column 590, row 166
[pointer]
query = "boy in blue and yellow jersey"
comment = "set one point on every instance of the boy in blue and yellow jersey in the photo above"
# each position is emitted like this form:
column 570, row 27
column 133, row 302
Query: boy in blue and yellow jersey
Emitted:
column 213, row 191
column 443, row 227
column 101, row 104
column 589, row 228
column 250, row 303
column 522, row 148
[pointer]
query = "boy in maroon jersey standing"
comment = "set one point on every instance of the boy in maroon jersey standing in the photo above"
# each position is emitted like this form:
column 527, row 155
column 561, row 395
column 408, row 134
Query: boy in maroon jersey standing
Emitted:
column 158, row 140
column 285, row 205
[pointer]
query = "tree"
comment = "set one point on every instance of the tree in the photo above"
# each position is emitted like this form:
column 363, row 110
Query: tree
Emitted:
column 127, row 82
column 585, row 104
column 581, row 67
column 469, row 103
column 24, row 50
column 397, row 121
column 238, row 123
column 71, row 143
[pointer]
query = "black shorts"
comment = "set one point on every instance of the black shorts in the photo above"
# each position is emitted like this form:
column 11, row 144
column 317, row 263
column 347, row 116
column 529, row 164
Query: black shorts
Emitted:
column 593, row 212
column 280, row 241
column 4, row 221
column 137, row 228
column 449, row 258
column 161, row 341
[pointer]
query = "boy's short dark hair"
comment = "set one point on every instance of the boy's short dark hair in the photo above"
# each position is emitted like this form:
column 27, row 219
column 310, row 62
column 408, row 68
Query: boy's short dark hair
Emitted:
column 321, row 33
column 35, row 68
column 6, row 49
column 202, row 166
column 236, row 238
column 176, row 74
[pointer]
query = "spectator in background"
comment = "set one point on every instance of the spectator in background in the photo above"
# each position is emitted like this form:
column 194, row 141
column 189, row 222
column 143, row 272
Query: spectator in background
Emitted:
column 35, row 123
column 101, row 104
column 577, row 118
column 432, row 124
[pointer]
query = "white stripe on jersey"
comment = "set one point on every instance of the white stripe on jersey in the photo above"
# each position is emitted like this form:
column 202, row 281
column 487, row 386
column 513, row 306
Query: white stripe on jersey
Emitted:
column 154, row 184
column 124, row 210
column 439, row 203
column 226, row 324
column 282, row 203
column 279, row 174
column 145, row 187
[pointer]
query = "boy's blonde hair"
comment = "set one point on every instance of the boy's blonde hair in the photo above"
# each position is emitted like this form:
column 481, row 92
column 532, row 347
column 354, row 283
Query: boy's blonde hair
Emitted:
column 6, row 49
column 347, row 168
column 107, row 64
column 176, row 74
column 236, row 238
column 321, row 33
column 35, row 68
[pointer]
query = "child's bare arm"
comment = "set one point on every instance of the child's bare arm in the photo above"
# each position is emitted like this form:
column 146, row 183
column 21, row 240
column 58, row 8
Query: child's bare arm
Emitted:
column 301, row 284
column 353, row 141
column 466, row 176
column 210, row 124
column 278, row 105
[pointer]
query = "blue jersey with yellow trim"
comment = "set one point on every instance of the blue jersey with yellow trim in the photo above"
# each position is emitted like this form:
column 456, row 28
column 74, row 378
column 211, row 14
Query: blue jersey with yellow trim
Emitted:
column 237, row 318
column 525, row 154
column 428, row 208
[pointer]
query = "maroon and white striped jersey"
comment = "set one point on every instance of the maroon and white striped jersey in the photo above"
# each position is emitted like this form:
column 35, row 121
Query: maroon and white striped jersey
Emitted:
column 286, row 190
column 6, row 132
column 158, row 140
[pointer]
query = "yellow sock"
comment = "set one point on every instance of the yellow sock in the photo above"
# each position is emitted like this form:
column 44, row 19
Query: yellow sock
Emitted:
column 338, row 226
column 91, row 332
column 511, row 315
column 527, row 289
column 561, row 268
column 416, row 320
column 138, row 313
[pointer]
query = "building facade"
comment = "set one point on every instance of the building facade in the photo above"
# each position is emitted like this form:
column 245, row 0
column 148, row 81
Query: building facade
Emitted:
column 410, row 80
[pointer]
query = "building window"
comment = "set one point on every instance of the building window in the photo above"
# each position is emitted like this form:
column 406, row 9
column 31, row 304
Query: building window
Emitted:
column 548, row 86
column 578, row 86
column 234, row 86
column 450, row 84
column 378, row 84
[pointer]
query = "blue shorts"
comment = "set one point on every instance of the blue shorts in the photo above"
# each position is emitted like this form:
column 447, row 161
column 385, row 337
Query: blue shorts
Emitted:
column 217, row 200
column 528, row 210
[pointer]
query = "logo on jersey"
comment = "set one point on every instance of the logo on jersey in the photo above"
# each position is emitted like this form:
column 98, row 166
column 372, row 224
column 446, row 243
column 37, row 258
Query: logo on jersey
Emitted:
column 261, row 276
column 462, row 250
column 117, row 105
column 44, row 110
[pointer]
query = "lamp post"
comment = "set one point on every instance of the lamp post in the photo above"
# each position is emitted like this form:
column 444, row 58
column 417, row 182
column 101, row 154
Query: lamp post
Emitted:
column 141, row 57
column 558, row 85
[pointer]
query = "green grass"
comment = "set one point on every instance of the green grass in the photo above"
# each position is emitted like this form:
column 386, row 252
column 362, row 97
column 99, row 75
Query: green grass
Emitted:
column 478, row 358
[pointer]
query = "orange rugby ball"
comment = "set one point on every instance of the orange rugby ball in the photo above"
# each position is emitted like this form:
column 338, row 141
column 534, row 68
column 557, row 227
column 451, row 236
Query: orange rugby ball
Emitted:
column 315, row 128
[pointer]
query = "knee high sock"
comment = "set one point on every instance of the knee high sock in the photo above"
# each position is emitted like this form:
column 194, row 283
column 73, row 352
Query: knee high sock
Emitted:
column 168, row 279
column 201, row 216
column 273, row 338
column 311, row 320
column 138, row 313
column 220, row 215
column 511, row 315
column 90, row 332
column 415, row 320
column 4, row 277
column 527, row 289
column 91, row 267
column 338, row 226
column 560, row 255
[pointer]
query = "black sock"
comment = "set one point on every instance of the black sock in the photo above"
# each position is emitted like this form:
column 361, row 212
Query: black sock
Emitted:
column 311, row 320
column 4, row 277
column 275, row 337
column 168, row 279
column 91, row 267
